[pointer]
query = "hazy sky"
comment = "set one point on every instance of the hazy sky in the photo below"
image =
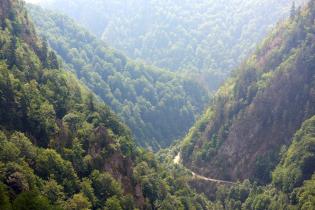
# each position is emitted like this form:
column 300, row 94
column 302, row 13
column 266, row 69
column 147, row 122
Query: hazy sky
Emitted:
column 33, row 1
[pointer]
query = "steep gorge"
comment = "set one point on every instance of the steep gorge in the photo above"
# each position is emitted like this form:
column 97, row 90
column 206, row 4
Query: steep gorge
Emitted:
column 150, row 100
column 259, row 109
column 60, row 146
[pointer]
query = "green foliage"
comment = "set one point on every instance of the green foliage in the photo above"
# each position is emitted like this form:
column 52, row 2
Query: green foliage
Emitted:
column 233, row 197
column 297, row 163
column 263, row 167
column 166, row 186
column 105, row 185
column 171, row 202
column 151, row 101
column 293, row 179
column 54, row 192
column 4, row 198
column 128, row 203
column 78, row 202
column 252, row 113
column 8, row 150
column 180, row 35
column 112, row 204
column 49, row 163
column 19, row 177
column 306, row 194
column 31, row 200
column 88, row 190
column 61, row 148
column 289, row 190
column 25, row 146
column 261, row 202
column 195, row 134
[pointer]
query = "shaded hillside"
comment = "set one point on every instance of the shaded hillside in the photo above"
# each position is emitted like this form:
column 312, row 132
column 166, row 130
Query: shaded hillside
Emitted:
column 151, row 101
column 180, row 35
column 293, row 180
column 60, row 147
column 259, row 109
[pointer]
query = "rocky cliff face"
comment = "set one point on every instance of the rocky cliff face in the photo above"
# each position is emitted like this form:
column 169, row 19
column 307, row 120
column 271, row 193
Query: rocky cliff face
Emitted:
column 258, row 110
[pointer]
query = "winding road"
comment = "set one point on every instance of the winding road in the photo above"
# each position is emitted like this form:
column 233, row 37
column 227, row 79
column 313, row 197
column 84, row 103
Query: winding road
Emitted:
column 177, row 160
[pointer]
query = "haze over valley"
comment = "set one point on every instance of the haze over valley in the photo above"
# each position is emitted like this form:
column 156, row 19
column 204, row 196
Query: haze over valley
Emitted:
column 157, row 105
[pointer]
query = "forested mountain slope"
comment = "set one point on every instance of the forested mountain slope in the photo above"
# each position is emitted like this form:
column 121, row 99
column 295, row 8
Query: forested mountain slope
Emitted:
column 258, row 110
column 203, row 35
column 293, row 180
column 151, row 101
column 60, row 147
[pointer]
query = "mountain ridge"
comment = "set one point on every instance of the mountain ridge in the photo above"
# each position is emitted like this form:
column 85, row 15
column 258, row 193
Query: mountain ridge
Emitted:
column 192, row 36
column 272, row 92
column 60, row 146
column 150, row 100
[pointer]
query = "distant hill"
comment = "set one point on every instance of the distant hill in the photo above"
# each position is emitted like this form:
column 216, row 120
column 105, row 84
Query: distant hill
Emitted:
column 181, row 35
column 159, row 106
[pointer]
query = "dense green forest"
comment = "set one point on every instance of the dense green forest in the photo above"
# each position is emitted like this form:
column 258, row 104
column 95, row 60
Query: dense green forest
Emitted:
column 151, row 101
column 292, row 186
column 257, row 111
column 181, row 35
column 61, row 148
